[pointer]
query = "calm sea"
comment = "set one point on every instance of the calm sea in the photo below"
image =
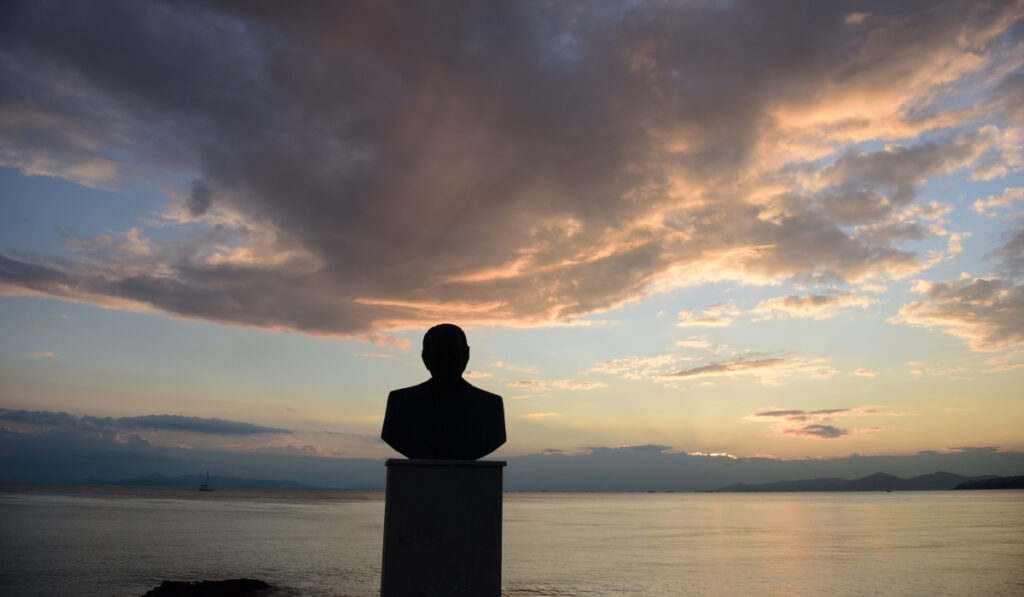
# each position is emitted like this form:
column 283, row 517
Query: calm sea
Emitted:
column 124, row 540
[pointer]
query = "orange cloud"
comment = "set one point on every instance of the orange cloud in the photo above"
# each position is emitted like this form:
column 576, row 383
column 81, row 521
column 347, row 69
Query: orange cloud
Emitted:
column 41, row 354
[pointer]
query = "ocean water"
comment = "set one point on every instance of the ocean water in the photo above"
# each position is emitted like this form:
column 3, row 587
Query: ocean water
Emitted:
column 73, row 540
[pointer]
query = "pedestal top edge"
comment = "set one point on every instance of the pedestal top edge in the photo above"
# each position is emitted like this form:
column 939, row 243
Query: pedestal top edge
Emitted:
column 455, row 463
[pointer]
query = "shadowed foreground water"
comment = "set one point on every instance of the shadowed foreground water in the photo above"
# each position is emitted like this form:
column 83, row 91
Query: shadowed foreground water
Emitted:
column 125, row 540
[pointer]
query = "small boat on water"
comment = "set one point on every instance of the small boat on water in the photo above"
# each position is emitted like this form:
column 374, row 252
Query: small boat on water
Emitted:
column 206, row 486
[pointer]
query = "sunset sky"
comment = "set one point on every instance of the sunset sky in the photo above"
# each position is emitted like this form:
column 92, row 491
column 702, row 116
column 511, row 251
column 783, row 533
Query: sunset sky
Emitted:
column 759, row 229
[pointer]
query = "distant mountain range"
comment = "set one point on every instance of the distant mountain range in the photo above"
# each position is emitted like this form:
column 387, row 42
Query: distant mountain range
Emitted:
column 157, row 480
column 875, row 482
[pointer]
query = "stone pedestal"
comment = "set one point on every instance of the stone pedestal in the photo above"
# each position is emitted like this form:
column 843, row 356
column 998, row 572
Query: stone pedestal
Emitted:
column 442, row 528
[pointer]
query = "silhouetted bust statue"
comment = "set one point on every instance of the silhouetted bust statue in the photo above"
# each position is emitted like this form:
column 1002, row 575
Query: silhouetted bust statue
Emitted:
column 444, row 417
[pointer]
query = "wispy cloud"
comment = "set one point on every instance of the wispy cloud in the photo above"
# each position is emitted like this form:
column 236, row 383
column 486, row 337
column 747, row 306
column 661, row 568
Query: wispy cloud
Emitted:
column 637, row 368
column 815, row 424
column 815, row 430
column 543, row 415
column 717, row 315
column 990, row 205
column 673, row 368
column 699, row 343
column 770, row 370
column 737, row 365
column 1006, row 361
column 40, row 354
column 814, row 306
column 574, row 385
column 533, row 385
column 183, row 423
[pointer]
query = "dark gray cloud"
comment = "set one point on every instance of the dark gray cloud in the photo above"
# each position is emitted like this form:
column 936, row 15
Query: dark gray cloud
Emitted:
column 653, row 448
column 815, row 424
column 735, row 366
column 822, row 431
column 988, row 314
column 898, row 171
column 817, row 306
column 1011, row 254
column 789, row 414
column 193, row 424
column 801, row 415
column 976, row 449
column 145, row 422
column 199, row 200
column 376, row 165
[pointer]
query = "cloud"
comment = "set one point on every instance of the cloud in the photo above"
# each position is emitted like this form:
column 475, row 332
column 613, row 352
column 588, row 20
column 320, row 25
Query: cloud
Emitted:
column 769, row 371
column 538, row 415
column 673, row 368
column 637, row 368
column 199, row 200
column 899, row 170
column 717, row 315
column 639, row 449
column 856, row 18
column 1006, row 361
column 989, row 205
column 533, row 385
column 374, row 355
column 815, row 424
column 988, row 314
column 695, row 343
column 149, row 422
column 715, row 322
column 573, row 385
column 36, row 417
column 865, row 372
column 1010, row 255
column 975, row 449
column 814, row 306
column 820, row 431
column 193, row 424
column 735, row 366
column 515, row 163
column 40, row 354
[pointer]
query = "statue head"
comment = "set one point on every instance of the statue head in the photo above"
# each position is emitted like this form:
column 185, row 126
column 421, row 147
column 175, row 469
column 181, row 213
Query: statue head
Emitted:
column 445, row 352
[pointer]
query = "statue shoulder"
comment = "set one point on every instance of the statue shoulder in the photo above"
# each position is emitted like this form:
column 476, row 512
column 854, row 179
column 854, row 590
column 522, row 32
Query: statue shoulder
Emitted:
column 479, row 394
column 410, row 392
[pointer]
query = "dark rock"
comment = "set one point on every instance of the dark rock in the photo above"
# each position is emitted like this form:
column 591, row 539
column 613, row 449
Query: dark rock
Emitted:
column 236, row 587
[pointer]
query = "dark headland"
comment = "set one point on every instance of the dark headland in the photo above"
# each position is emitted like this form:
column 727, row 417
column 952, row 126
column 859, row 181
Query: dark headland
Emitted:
column 994, row 483
column 236, row 587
